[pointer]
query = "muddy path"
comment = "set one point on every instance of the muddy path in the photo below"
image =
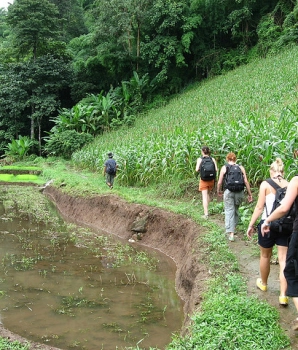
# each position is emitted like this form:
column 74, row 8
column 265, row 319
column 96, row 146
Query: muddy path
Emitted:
column 249, row 268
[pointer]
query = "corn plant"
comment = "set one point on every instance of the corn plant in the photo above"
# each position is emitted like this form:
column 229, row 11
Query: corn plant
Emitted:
column 245, row 111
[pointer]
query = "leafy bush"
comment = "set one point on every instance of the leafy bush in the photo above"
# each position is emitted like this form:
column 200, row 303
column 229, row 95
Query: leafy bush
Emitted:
column 18, row 149
column 63, row 144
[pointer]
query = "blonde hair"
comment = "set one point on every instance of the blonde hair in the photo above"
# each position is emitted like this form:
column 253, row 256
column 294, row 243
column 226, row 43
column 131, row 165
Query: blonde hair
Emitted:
column 231, row 157
column 277, row 166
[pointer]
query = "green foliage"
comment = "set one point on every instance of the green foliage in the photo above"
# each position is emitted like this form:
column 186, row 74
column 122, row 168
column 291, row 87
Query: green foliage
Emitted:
column 166, row 143
column 18, row 149
column 66, row 142
column 233, row 321
column 34, row 24
column 6, row 344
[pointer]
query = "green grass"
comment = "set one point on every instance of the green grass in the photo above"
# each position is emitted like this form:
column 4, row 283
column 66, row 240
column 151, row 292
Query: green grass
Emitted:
column 6, row 344
column 246, row 111
column 24, row 178
column 251, row 111
column 22, row 168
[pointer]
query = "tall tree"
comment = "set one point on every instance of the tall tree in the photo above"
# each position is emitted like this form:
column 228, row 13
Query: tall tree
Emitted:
column 71, row 18
column 34, row 25
column 13, row 105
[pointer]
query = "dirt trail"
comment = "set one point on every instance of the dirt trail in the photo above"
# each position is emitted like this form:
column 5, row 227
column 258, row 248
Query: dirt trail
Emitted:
column 249, row 268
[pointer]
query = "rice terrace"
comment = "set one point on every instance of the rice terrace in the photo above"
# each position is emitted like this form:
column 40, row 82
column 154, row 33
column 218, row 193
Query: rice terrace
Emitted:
column 252, row 111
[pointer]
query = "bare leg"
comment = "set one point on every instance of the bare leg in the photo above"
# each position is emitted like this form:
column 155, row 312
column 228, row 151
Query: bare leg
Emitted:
column 265, row 256
column 282, row 253
column 295, row 323
column 206, row 199
column 295, row 300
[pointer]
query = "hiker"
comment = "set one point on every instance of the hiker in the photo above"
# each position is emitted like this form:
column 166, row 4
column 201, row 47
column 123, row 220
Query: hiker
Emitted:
column 266, row 242
column 207, row 168
column 233, row 180
column 290, row 274
column 110, row 170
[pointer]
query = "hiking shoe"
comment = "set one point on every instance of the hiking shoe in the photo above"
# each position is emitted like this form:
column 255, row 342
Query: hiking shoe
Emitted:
column 295, row 325
column 283, row 300
column 260, row 285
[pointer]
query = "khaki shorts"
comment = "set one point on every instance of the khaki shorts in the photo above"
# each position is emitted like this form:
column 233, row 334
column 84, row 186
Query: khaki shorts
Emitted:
column 206, row 185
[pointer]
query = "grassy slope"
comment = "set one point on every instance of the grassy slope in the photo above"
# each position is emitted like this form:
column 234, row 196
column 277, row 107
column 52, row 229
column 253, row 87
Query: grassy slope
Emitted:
column 249, row 94
column 251, row 110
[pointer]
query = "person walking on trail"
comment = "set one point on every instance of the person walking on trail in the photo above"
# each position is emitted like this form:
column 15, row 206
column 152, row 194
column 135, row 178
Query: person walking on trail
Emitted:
column 207, row 168
column 290, row 270
column 264, row 206
column 233, row 180
column 110, row 170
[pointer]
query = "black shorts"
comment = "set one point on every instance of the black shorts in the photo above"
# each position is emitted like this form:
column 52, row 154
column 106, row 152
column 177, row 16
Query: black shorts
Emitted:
column 291, row 269
column 272, row 238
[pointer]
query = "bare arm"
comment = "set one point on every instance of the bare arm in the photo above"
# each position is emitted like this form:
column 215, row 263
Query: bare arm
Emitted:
column 199, row 160
column 215, row 165
column 220, row 179
column 246, row 182
column 258, row 209
column 291, row 194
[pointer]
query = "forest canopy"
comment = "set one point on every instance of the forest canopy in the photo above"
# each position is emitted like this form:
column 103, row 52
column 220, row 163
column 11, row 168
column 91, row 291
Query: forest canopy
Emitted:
column 84, row 67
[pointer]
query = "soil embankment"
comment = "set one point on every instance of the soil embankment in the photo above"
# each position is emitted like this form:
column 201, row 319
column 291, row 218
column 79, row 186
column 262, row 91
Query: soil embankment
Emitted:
column 172, row 234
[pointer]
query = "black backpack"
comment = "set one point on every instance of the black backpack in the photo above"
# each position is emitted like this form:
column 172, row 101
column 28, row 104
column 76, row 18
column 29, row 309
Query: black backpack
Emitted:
column 207, row 169
column 234, row 180
column 111, row 167
column 285, row 223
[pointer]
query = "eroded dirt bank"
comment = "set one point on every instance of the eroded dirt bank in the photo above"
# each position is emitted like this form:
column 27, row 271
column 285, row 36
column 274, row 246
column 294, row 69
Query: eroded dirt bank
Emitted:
column 172, row 234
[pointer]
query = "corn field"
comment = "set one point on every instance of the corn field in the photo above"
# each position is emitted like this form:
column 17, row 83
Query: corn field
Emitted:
column 251, row 111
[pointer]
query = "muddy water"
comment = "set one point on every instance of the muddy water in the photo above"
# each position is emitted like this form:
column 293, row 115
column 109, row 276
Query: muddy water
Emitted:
column 56, row 291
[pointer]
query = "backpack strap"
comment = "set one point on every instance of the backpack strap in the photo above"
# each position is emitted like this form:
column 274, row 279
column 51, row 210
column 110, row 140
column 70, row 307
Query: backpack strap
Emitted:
column 273, row 184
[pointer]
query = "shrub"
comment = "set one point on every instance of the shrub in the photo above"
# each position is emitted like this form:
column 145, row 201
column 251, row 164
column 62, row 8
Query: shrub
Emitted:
column 64, row 143
column 18, row 149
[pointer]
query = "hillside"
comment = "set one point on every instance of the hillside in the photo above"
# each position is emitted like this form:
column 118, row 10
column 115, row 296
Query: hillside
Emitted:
column 251, row 110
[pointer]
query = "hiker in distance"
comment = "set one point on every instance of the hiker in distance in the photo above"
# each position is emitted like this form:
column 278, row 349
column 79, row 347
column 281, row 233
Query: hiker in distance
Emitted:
column 266, row 242
column 207, row 168
column 233, row 180
column 290, row 199
column 110, row 170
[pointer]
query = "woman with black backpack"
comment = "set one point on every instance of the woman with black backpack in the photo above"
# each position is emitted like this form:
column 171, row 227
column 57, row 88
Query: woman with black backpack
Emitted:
column 233, row 180
column 291, row 265
column 266, row 199
column 207, row 168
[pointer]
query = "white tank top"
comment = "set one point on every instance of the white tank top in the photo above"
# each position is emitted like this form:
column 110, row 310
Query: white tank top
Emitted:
column 268, row 204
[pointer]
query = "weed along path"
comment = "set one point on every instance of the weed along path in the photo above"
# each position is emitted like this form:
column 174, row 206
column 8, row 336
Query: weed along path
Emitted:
column 248, row 260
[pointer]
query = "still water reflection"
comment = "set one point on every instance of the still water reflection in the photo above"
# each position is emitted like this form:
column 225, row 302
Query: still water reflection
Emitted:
column 60, row 292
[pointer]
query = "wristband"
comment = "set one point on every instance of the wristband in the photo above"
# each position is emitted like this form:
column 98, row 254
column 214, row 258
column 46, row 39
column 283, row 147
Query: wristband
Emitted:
column 266, row 223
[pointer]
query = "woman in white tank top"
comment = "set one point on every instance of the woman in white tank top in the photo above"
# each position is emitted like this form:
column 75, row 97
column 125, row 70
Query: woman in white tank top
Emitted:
column 267, row 242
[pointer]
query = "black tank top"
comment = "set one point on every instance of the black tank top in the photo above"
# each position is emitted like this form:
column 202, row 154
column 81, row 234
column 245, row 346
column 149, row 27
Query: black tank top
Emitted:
column 295, row 225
